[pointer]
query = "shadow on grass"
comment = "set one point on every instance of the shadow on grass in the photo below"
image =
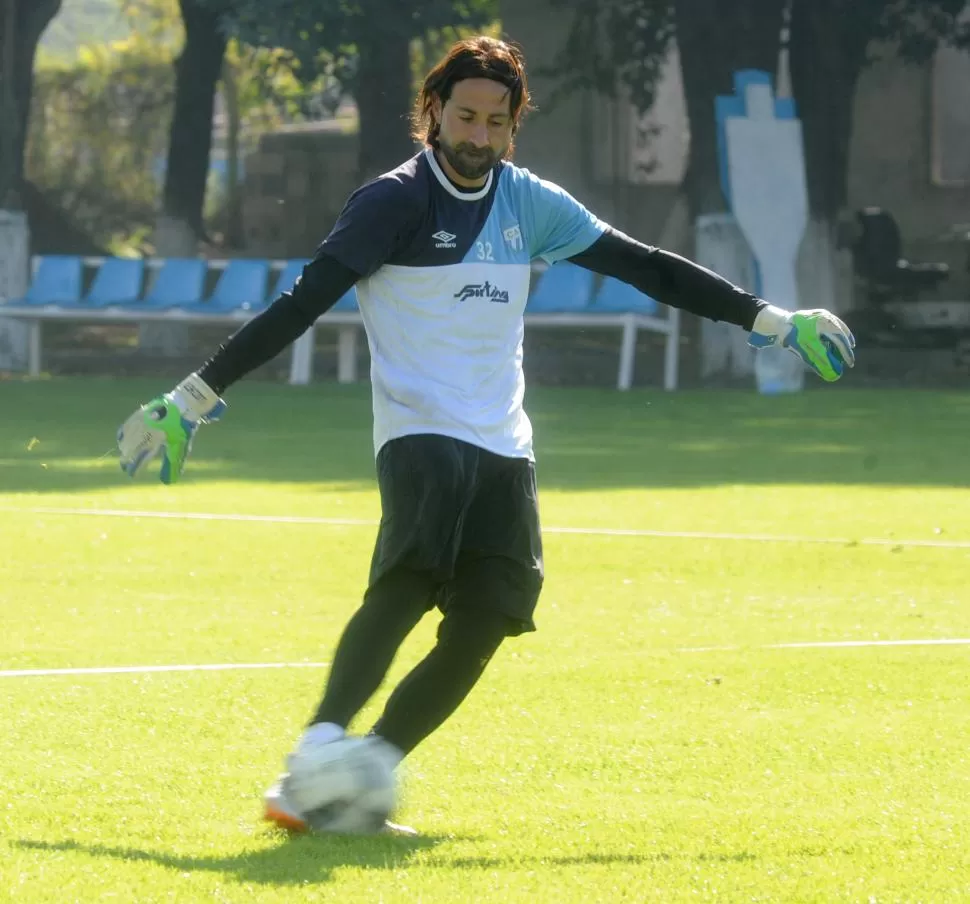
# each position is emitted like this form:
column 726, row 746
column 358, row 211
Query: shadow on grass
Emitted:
column 52, row 432
column 295, row 861
column 305, row 859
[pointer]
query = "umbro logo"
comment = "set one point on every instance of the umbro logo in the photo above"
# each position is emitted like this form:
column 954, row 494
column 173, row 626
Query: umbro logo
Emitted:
column 445, row 239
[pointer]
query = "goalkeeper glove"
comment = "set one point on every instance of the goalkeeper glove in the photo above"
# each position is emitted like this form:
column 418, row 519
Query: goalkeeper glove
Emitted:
column 167, row 425
column 819, row 338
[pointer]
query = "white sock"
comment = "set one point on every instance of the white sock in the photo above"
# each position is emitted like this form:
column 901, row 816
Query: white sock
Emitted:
column 394, row 754
column 321, row 733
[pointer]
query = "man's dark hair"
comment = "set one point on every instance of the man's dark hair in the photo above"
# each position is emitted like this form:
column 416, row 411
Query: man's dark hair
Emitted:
column 478, row 57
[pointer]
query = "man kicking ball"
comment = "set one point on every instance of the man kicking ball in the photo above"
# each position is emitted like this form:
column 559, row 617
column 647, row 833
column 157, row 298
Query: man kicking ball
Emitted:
column 440, row 251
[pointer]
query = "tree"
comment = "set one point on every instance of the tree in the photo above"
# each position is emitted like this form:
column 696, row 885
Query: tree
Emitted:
column 830, row 43
column 98, row 124
column 22, row 22
column 366, row 46
column 616, row 45
column 197, row 73
column 708, row 63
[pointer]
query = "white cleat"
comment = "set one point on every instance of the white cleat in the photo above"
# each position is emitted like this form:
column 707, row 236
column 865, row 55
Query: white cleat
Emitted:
column 279, row 810
column 395, row 828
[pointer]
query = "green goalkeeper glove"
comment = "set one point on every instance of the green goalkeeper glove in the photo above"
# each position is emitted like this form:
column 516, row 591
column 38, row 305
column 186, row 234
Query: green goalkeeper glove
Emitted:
column 819, row 338
column 166, row 426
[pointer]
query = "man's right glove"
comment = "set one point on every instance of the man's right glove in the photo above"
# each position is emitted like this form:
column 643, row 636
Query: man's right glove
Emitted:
column 167, row 425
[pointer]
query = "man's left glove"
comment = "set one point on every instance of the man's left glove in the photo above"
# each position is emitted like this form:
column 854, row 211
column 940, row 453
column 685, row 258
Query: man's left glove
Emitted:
column 818, row 337
column 167, row 425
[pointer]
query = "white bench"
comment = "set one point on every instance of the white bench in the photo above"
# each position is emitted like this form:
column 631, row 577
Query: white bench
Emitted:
column 349, row 326
column 301, row 368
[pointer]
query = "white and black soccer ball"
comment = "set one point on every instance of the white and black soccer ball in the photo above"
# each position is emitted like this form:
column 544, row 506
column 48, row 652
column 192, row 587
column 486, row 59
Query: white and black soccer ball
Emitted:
column 344, row 786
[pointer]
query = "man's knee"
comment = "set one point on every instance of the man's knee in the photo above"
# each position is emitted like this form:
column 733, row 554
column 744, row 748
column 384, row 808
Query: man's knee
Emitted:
column 473, row 631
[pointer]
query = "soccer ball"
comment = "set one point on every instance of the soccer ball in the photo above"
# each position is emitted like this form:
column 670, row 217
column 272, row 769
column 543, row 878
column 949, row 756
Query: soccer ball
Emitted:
column 343, row 786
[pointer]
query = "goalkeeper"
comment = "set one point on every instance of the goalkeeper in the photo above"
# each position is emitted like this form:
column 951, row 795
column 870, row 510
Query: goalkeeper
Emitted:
column 440, row 251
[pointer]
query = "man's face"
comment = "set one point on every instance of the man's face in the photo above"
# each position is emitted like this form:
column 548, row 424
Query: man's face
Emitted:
column 476, row 127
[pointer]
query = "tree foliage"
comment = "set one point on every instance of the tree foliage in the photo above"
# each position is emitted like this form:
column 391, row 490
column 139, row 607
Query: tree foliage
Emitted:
column 613, row 45
column 97, row 128
column 364, row 47
column 328, row 34
column 620, row 45
column 100, row 121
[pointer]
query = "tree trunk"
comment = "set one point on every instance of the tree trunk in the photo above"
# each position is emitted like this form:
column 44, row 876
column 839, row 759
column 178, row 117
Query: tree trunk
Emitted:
column 180, row 225
column 234, row 223
column 197, row 74
column 383, row 95
column 708, row 63
column 827, row 52
column 826, row 55
column 22, row 22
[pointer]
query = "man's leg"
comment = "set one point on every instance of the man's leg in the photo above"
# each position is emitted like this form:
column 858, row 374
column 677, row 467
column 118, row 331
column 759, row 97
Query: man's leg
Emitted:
column 497, row 580
column 433, row 690
column 391, row 609
column 425, row 483
column 392, row 606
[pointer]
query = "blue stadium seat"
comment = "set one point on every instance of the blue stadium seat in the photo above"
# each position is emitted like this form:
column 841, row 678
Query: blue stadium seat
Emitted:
column 117, row 282
column 618, row 297
column 563, row 288
column 57, row 281
column 241, row 287
column 287, row 278
column 179, row 283
column 347, row 303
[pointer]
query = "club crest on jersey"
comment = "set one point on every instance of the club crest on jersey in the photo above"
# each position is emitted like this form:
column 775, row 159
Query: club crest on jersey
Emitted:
column 444, row 239
column 513, row 237
column 483, row 290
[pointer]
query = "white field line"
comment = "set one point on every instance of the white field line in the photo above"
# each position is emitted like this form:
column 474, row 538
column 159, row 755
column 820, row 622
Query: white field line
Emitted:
column 837, row 645
column 584, row 531
column 145, row 669
column 228, row 667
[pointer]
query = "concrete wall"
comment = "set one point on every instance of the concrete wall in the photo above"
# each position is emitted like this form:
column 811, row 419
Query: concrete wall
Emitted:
column 295, row 187
column 572, row 143
column 890, row 157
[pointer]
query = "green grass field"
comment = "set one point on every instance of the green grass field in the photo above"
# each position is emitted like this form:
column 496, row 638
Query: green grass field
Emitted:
column 650, row 743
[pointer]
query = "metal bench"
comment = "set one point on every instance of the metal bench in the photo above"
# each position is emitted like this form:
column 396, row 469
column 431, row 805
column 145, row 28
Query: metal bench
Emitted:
column 172, row 290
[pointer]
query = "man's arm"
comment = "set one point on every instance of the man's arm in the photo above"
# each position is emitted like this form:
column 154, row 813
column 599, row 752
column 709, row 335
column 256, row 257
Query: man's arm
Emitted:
column 670, row 279
column 371, row 223
column 365, row 234
column 818, row 337
column 167, row 424
column 322, row 284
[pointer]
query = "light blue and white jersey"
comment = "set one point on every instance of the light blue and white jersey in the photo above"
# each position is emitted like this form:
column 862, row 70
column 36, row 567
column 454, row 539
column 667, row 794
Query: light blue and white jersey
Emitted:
column 444, row 281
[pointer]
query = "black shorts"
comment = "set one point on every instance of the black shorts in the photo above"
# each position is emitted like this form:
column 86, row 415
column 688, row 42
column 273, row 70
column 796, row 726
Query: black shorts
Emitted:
column 466, row 517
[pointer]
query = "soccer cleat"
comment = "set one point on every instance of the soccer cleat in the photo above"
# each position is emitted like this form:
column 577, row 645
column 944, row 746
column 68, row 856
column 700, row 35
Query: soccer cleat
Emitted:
column 283, row 814
column 394, row 828
column 280, row 811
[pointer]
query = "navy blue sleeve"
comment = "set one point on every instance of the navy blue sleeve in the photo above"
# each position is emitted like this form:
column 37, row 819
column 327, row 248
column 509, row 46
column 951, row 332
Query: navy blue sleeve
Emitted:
column 374, row 223
column 322, row 283
column 670, row 279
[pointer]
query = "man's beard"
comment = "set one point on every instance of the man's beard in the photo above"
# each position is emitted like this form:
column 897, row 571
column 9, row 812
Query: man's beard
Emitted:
column 468, row 161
